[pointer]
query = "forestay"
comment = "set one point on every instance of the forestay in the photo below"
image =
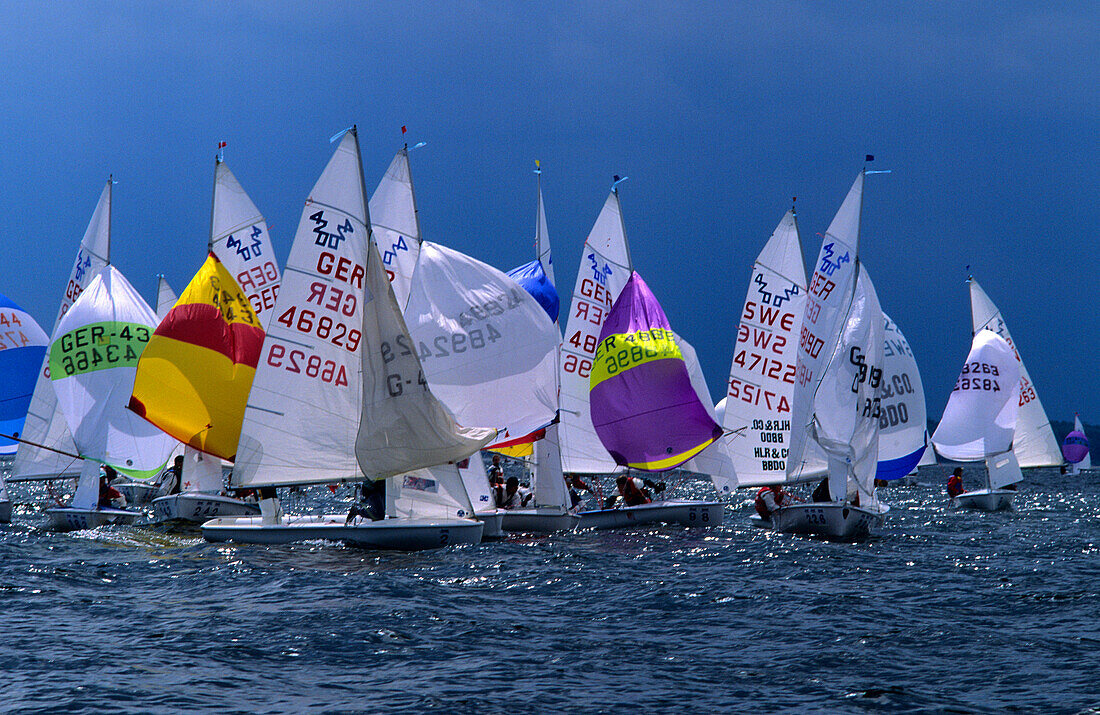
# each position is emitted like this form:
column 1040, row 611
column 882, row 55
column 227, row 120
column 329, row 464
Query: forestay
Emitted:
column 980, row 417
column 22, row 347
column 45, row 425
column 240, row 239
column 396, row 226
column 902, row 423
column 645, row 409
column 829, row 298
column 487, row 348
column 303, row 411
column 1035, row 444
column 93, row 358
column 604, row 270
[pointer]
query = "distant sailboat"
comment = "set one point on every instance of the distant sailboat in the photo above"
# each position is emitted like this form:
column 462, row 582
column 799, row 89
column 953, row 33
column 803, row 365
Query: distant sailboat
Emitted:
column 166, row 297
column 23, row 347
column 1075, row 448
column 838, row 386
column 980, row 420
column 348, row 401
column 1034, row 444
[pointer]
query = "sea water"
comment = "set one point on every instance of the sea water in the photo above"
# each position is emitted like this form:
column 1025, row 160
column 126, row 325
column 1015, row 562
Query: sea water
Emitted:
column 940, row 611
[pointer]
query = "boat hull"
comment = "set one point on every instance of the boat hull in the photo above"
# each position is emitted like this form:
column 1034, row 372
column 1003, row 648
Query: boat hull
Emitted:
column 539, row 521
column 69, row 518
column 493, row 520
column 5, row 512
column 389, row 534
column 137, row 493
column 686, row 513
column 986, row 499
column 198, row 508
column 837, row 521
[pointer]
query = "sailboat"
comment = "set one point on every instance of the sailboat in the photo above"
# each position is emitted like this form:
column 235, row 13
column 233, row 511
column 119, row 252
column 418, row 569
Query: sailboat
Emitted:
column 348, row 401
column 645, row 409
column 93, row 357
column 838, row 386
column 240, row 255
column 22, row 346
column 903, row 426
column 551, row 508
column 605, row 269
column 488, row 350
column 46, row 449
column 1034, row 443
column 1075, row 448
column 981, row 418
column 756, row 411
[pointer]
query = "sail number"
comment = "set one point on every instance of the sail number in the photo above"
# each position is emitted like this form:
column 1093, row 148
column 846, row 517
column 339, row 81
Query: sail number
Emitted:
column 442, row 345
column 16, row 338
column 580, row 366
column 1027, row 392
column 97, row 347
column 307, row 322
column 296, row 362
column 978, row 375
column 751, row 394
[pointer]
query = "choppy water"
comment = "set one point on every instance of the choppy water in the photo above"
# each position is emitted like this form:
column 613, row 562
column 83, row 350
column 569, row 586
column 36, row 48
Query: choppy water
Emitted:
column 942, row 611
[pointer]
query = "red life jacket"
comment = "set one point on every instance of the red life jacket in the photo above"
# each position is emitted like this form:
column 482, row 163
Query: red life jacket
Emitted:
column 632, row 495
column 954, row 486
column 761, row 507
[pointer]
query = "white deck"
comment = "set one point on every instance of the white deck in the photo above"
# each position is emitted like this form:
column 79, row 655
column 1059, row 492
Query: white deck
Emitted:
column 69, row 518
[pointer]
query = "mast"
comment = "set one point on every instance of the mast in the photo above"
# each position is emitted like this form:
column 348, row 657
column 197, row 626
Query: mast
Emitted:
column 110, row 202
column 412, row 189
column 213, row 203
column 622, row 222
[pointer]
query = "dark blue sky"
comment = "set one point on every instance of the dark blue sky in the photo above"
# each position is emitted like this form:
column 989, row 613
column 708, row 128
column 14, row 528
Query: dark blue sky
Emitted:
column 719, row 113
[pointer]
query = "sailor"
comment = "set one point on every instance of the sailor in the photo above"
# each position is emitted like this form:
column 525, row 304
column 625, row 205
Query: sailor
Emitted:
column 109, row 497
column 576, row 485
column 955, row 483
column 495, row 470
column 372, row 503
column 172, row 478
column 513, row 497
column 632, row 490
column 770, row 498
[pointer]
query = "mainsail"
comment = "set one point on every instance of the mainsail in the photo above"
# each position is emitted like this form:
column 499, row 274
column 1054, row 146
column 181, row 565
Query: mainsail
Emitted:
column 395, row 225
column 45, row 425
column 1035, row 444
column 903, row 422
column 194, row 377
column 240, row 240
column 604, row 270
column 22, row 347
column 981, row 414
column 93, row 358
column 645, row 409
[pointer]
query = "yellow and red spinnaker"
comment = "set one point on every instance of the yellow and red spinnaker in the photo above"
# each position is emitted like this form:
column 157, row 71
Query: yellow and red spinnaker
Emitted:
column 194, row 376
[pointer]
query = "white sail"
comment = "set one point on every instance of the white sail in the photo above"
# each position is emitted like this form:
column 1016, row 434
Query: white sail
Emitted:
column 303, row 412
column 542, row 239
column 762, row 372
column 476, row 481
column 240, row 239
column 201, row 472
column 487, row 348
column 549, row 482
column 604, row 270
column 166, row 298
column 714, row 461
column 829, row 298
column 402, row 425
column 87, row 486
column 430, row 493
column 847, row 402
column 929, row 457
column 981, row 414
column 1035, row 444
column 395, row 225
column 903, row 422
column 1085, row 463
column 93, row 360
column 45, row 425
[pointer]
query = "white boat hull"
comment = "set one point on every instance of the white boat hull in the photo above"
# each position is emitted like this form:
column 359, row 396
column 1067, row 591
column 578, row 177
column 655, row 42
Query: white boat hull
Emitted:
column 137, row 493
column 832, row 520
column 392, row 534
column 69, row 518
column 5, row 512
column 198, row 508
column 539, row 521
column 687, row 513
column 493, row 519
column 986, row 499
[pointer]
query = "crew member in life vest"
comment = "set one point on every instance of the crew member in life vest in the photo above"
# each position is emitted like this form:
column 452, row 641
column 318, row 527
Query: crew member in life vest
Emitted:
column 955, row 483
column 109, row 497
column 514, row 497
column 770, row 498
column 632, row 490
